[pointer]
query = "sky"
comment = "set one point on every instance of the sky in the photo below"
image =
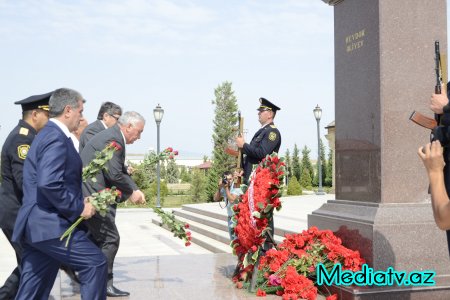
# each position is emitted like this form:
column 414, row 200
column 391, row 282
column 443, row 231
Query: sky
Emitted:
column 139, row 54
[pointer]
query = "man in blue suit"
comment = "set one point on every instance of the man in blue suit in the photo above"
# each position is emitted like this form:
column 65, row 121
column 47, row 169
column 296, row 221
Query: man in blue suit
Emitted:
column 52, row 201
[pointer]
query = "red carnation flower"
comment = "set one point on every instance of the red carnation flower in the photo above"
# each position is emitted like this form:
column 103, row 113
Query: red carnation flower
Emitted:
column 115, row 145
column 186, row 225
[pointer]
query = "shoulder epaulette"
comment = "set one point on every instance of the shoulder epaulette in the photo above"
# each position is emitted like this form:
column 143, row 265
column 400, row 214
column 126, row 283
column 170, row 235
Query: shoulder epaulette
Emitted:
column 24, row 131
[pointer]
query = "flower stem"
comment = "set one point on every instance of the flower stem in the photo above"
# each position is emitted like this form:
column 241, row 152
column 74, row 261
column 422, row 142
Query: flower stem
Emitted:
column 69, row 231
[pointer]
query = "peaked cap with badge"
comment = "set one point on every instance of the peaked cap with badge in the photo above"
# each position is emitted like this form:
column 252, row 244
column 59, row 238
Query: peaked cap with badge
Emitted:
column 35, row 102
column 14, row 152
column 267, row 105
column 265, row 141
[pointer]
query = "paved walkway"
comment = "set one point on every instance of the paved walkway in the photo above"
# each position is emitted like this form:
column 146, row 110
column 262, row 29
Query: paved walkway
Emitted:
column 152, row 264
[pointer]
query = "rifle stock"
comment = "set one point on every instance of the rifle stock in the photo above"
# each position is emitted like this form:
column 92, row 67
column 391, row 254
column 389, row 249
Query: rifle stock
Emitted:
column 419, row 118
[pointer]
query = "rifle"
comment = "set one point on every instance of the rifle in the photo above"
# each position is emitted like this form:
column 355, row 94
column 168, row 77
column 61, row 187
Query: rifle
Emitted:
column 230, row 150
column 239, row 160
column 419, row 118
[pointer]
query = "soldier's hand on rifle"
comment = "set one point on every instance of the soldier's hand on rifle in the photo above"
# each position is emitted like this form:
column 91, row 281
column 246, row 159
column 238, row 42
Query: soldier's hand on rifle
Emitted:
column 438, row 101
column 432, row 158
column 240, row 141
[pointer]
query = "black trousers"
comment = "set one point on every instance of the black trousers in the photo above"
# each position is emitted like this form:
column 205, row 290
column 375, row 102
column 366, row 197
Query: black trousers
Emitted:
column 11, row 285
column 103, row 232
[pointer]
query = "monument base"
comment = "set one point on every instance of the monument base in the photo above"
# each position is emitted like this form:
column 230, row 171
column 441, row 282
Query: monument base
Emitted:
column 403, row 236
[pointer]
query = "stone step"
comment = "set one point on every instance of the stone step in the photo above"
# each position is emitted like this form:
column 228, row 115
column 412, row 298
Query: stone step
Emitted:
column 209, row 223
column 207, row 211
column 207, row 215
column 201, row 240
column 217, row 234
column 206, row 219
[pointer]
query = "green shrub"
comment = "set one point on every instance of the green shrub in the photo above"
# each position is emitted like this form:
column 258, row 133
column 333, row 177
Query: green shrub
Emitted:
column 294, row 187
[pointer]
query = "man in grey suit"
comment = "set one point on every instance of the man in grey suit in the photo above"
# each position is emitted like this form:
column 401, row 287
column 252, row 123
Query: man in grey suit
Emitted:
column 107, row 117
column 103, row 229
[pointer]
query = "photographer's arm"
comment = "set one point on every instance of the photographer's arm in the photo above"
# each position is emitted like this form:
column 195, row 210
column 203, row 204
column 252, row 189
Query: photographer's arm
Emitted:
column 231, row 197
column 432, row 158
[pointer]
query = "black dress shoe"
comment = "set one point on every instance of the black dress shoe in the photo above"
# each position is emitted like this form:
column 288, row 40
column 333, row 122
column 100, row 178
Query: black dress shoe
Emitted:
column 71, row 273
column 112, row 291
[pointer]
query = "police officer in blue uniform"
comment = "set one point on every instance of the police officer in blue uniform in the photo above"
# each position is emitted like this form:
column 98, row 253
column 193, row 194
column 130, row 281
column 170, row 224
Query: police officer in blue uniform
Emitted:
column 265, row 141
column 14, row 151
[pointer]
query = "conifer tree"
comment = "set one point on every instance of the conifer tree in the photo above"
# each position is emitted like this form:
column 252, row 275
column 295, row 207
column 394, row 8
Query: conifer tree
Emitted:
column 296, row 169
column 198, row 186
column 306, row 164
column 329, row 169
column 294, row 187
column 306, row 181
column 172, row 173
column 323, row 166
column 288, row 162
column 225, row 118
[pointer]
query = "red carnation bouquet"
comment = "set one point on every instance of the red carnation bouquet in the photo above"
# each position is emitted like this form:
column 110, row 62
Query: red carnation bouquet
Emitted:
column 152, row 158
column 290, row 269
column 178, row 228
column 103, row 199
column 168, row 219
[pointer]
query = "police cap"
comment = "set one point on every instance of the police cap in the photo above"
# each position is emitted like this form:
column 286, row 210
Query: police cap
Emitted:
column 267, row 105
column 35, row 102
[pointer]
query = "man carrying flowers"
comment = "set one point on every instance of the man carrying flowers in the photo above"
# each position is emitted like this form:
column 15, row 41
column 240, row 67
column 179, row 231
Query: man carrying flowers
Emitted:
column 52, row 200
column 103, row 229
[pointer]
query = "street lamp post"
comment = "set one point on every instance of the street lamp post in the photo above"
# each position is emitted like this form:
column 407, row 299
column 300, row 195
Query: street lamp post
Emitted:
column 317, row 114
column 158, row 113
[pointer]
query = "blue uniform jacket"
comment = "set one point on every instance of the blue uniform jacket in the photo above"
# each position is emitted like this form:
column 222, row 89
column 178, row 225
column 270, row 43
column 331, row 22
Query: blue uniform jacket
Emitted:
column 52, row 196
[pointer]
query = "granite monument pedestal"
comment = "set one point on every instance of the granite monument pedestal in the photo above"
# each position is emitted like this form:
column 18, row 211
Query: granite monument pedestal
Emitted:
column 384, row 70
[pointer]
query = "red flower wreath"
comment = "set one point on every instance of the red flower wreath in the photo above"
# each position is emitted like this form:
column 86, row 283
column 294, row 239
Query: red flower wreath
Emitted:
column 253, row 213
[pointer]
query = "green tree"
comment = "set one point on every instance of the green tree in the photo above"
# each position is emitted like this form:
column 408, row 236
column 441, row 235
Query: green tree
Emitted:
column 224, row 122
column 323, row 166
column 296, row 170
column 294, row 187
column 152, row 191
column 172, row 173
column 185, row 176
column 306, row 164
column 329, row 169
column 288, row 162
column 198, row 186
column 142, row 176
column 163, row 171
column 306, row 181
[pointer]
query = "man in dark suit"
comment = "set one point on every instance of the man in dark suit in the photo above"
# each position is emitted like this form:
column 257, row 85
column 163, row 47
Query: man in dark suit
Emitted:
column 14, row 151
column 107, row 117
column 103, row 229
column 265, row 141
column 52, row 201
